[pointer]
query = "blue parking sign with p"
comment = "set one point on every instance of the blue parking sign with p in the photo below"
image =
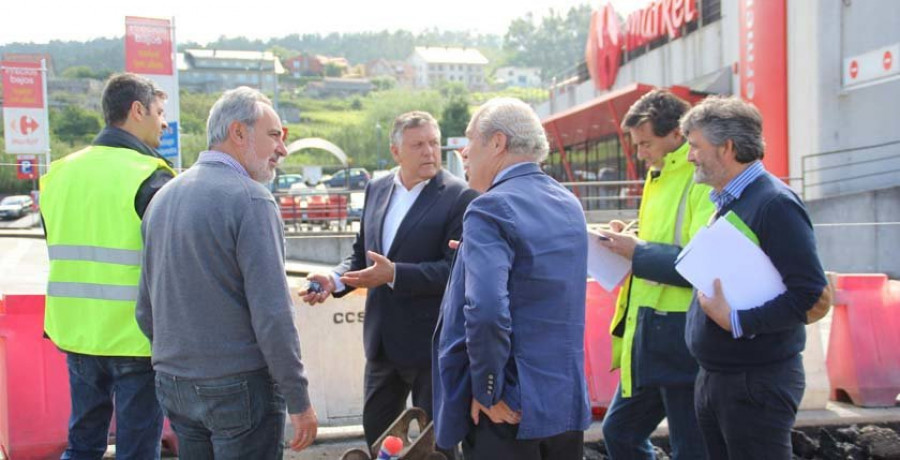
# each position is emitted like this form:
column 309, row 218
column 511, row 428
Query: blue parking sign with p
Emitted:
column 26, row 167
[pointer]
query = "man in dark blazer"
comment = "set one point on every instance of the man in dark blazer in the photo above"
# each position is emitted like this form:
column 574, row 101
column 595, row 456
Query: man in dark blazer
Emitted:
column 509, row 346
column 401, row 255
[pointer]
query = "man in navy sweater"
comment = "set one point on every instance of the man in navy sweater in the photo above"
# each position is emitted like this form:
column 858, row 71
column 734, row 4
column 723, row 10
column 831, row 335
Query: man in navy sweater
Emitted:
column 751, row 374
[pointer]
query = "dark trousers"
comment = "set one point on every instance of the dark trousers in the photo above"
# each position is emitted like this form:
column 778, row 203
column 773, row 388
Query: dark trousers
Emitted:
column 749, row 415
column 236, row 417
column 95, row 381
column 630, row 422
column 387, row 388
column 493, row 441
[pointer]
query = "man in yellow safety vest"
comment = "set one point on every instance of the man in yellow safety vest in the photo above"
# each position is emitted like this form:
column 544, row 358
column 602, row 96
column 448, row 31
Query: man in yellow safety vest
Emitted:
column 92, row 203
column 657, row 372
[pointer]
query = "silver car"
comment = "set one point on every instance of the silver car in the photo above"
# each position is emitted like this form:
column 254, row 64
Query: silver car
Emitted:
column 15, row 206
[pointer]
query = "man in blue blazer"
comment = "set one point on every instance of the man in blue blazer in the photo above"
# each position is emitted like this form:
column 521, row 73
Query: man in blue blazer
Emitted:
column 508, row 351
column 401, row 256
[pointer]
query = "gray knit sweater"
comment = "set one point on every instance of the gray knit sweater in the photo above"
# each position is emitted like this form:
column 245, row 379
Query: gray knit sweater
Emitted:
column 213, row 297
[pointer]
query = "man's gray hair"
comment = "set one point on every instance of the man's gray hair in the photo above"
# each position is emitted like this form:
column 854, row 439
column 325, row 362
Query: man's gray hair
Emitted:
column 728, row 118
column 241, row 104
column 524, row 132
column 411, row 120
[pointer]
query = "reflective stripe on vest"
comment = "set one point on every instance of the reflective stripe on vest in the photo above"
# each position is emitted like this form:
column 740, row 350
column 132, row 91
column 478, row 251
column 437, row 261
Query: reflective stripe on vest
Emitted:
column 92, row 291
column 95, row 254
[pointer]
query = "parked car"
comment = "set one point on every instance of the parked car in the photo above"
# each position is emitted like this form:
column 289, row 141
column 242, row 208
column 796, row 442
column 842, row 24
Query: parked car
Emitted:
column 293, row 205
column 355, row 207
column 355, row 180
column 15, row 206
column 283, row 183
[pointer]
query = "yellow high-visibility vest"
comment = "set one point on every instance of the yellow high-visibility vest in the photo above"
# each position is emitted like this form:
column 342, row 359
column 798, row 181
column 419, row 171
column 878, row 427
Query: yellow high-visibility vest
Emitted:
column 94, row 244
column 673, row 208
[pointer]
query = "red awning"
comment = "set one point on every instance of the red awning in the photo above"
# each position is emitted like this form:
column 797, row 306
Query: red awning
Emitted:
column 601, row 117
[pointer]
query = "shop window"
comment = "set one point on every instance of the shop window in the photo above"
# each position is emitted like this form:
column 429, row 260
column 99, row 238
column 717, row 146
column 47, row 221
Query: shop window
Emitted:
column 710, row 11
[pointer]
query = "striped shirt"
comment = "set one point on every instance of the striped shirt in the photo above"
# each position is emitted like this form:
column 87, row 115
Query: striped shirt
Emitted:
column 731, row 192
column 214, row 156
column 736, row 186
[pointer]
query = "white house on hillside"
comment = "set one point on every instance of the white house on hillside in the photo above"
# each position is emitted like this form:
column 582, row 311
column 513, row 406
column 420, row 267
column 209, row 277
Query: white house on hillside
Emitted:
column 436, row 64
column 519, row 77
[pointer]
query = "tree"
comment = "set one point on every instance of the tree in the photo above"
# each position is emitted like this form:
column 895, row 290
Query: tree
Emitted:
column 282, row 53
column 74, row 124
column 333, row 70
column 520, row 36
column 455, row 118
column 384, row 82
column 555, row 45
column 79, row 71
column 194, row 109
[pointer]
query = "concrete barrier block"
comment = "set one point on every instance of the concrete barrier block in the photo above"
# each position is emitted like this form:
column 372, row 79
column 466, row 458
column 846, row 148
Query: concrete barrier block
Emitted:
column 817, row 386
column 332, row 351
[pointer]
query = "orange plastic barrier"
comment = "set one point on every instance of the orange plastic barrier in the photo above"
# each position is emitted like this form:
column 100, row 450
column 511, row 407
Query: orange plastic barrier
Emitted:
column 34, row 383
column 864, row 346
column 599, row 308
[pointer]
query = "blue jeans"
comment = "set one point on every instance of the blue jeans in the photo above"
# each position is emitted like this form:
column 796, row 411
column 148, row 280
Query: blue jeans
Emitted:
column 630, row 422
column 236, row 417
column 95, row 382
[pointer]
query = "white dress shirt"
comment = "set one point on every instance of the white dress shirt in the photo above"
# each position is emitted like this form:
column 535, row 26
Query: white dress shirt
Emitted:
column 402, row 200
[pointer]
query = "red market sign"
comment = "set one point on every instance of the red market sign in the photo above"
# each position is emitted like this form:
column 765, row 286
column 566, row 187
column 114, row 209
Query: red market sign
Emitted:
column 662, row 17
column 608, row 37
column 22, row 85
column 604, row 47
column 148, row 46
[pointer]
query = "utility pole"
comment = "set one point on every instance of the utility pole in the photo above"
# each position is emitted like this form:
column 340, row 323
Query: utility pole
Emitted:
column 377, row 145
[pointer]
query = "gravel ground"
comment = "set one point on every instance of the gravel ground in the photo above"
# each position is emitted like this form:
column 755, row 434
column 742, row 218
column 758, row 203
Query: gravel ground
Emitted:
column 875, row 442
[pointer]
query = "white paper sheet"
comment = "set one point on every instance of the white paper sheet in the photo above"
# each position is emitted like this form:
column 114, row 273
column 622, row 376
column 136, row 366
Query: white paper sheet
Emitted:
column 605, row 266
column 721, row 251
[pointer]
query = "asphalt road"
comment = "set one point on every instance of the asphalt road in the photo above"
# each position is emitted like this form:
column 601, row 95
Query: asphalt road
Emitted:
column 23, row 266
column 28, row 221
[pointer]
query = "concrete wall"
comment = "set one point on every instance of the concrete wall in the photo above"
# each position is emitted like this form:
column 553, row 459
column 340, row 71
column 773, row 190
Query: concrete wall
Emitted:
column 324, row 249
column 859, row 248
column 827, row 116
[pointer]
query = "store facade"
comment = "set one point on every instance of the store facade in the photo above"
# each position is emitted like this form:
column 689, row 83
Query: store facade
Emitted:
column 822, row 73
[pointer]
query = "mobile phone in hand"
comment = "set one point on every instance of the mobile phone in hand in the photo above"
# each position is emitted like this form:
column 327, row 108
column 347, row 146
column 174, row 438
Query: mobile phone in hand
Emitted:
column 314, row 287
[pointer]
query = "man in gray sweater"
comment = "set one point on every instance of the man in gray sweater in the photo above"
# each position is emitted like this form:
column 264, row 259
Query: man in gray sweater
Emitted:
column 213, row 297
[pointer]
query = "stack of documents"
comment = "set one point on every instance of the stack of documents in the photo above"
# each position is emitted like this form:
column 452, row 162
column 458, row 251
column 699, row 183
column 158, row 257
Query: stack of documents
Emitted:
column 721, row 251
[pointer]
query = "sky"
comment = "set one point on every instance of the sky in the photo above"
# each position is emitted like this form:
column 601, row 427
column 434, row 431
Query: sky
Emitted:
column 40, row 21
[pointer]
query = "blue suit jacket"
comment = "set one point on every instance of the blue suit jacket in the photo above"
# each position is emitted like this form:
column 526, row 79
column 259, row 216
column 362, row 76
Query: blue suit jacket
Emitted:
column 512, row 318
